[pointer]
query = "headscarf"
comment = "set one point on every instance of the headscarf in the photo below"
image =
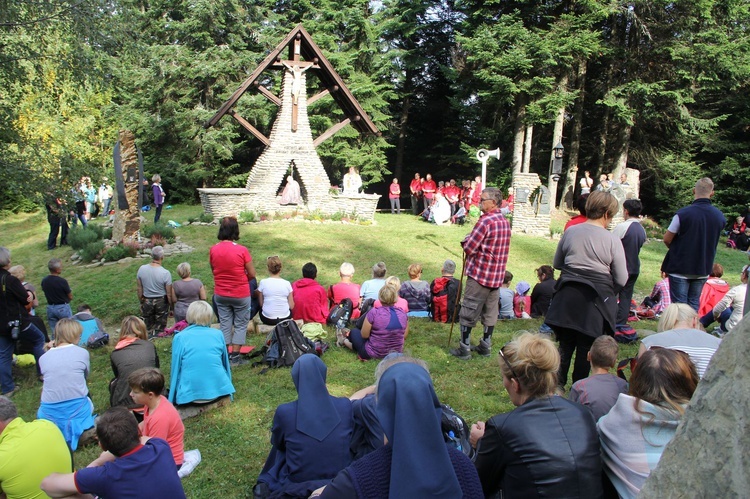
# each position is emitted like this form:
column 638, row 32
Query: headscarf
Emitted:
column 316, row 414
column 410, row 413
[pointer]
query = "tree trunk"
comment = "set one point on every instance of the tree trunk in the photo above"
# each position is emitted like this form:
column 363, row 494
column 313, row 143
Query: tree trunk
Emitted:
column 623, row 145
column 518, row 134
column 556, row 138
column 398, row 168
column 575, row 140
column 527, row 148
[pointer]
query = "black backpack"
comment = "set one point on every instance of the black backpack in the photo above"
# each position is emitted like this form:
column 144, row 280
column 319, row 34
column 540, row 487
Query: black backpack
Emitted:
column 284, row 345
column 455, row 431
column 340, row 313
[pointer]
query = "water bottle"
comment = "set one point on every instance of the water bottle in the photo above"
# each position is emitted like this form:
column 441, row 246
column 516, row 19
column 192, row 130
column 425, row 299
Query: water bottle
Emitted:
column 456, row 442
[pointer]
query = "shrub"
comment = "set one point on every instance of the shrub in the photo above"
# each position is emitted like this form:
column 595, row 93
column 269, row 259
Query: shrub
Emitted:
column 91, row 251
column 206, row 218
column 107, row 233
column 119, row 252
column 80, row 237
column 160, row 231
column 247, row 216
column 337, row 217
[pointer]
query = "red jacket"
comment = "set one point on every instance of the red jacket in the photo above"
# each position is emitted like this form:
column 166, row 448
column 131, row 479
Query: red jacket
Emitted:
column 310, row 301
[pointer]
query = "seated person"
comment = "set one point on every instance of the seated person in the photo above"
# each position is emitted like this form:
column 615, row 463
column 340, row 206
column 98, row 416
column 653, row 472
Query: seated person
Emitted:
column 734, row 300
column 506, row 297
column 581, row 217
column 678, row 330
column 274, row 295
column 522, row 301
column 560, row 458
column 200, row 369
column 444, row 291
column 160, row 419
column 743, row 240
column 185, row 291
column 345, row 288
column 738, row 228
column 401, row 303
column 416, row 292
column 65, row 395
column 384, row 329
column 370, row 288
column 368, row 434
column 131, row 353
column 310, row 437
column 416, row 462
column 28, row 453
column 440, row 210
column 713, row 291
column 659, row 298
column 541, row 296
column 310, row 299
column 130, row 466
column 91, row 325
column 599, row 391
column 635, row 432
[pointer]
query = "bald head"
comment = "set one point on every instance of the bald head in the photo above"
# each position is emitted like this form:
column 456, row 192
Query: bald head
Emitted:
column 704, row 188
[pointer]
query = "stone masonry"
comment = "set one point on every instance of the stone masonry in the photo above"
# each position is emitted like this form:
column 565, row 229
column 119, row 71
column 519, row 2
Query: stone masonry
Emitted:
column 530, row 215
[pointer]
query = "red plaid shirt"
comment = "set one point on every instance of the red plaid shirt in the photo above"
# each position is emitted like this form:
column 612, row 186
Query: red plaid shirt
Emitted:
column 487, row 249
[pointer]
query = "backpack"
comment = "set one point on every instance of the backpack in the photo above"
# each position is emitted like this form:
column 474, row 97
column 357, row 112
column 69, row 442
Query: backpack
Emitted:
column 625, row 335
column 97, row 340
column 444, row 293
column 363, row 309
column 284, row 345
column 455, row 431
column 340, row 313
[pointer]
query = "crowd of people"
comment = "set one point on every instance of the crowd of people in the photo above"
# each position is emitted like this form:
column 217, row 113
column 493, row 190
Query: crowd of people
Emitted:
column 386, row 440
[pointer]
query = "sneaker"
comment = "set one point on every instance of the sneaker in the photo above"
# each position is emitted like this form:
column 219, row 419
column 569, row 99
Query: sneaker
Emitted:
column 463, row 351
column 237, row 360
column 12, row 392
column 484, row 348
column 718, row 332
column 341, row 335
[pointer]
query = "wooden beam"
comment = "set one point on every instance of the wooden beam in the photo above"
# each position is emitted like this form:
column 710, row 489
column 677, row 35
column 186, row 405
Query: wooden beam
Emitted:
column 270, row 96
column 250, row 128
column 330, row 132
column 317, row 96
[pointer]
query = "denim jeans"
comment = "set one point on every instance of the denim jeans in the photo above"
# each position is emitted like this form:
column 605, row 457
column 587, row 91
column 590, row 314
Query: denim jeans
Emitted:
column 55, row 313
column 686, row 290
column 708, row 319
column 31, row 335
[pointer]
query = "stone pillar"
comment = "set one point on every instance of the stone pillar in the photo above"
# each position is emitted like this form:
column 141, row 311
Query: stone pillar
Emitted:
column 127, row 222
column 531, row 205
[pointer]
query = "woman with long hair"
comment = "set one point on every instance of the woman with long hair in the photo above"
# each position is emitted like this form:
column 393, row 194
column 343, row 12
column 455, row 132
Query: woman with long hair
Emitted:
column 547, row 446
column 132, row 352
column 634, row 433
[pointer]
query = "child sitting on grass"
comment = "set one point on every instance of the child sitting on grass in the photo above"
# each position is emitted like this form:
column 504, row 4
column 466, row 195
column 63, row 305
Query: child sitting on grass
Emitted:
column 507, row 297
column 160, row 419
column 599, row 391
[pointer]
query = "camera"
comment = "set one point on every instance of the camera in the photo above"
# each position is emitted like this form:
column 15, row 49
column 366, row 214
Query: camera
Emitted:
column 15, row 329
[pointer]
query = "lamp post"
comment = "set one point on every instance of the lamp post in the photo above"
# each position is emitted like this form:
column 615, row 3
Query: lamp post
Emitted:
column 557, row 161
column 483, row 155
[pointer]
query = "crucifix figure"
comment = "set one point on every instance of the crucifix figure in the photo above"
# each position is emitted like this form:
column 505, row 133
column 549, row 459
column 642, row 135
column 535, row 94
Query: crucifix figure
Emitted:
column 296, row 68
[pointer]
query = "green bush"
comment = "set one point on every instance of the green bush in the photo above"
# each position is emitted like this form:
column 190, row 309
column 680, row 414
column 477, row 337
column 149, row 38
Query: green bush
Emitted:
column 91, row 251
column 247, row 216
column 80, row 237
column 119, row 252
column 206, row 217
column 161, row 231
column 107, row 233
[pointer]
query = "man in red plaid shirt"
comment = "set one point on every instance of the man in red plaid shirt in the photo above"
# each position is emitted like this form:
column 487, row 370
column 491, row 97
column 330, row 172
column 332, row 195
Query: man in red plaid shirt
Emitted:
column 486, row 249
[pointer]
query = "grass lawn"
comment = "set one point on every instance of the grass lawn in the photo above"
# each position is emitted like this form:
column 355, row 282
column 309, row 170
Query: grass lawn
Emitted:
column 234, row 440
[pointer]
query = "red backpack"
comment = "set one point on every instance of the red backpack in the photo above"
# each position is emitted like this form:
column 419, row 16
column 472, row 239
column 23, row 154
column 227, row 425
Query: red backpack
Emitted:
column 444, row 293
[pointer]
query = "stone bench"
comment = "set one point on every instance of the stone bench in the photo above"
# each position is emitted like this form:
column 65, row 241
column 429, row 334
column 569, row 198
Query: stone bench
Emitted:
column 191, row 410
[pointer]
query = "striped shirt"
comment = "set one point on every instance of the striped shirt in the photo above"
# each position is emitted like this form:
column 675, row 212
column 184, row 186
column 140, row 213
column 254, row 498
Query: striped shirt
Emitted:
column 698, row 345
column 487, row 248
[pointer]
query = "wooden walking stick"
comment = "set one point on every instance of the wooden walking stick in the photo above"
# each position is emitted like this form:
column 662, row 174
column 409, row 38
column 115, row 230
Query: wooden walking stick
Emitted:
column 458, row 296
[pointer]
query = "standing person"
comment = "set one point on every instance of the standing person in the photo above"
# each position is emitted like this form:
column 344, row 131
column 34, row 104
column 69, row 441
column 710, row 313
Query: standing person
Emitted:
column 55, row 213
column 428, row 190
column 58, row 294
column 159, row 196
column 632, row 235
column 452, row 194
column 415, row 188
column 604, row 184
column 28, row 453
column 90, row 194
column 486, row 249
column 394, row 194
column 593, row 269
column 105, row 197
column 13, row 297
column 352, row 182
column 586, row 183
column 233, row 270
column 80, row 204
column 692, row 238
column 155, row 292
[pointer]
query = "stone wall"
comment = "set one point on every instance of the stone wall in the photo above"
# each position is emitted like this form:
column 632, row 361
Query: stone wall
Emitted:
column 530, row 216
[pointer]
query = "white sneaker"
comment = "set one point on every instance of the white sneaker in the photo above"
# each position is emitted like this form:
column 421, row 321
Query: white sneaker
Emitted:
column 192, row 460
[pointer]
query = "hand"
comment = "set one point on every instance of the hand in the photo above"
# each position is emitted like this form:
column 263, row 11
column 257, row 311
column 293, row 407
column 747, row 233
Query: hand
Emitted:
column 477, row 432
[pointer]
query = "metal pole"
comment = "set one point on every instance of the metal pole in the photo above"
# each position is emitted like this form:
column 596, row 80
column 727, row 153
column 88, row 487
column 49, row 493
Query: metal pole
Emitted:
column 458, row 295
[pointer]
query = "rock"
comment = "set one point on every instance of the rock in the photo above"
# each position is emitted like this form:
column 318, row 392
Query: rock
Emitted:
column 147, row 251
column 109, row 264
column 126, row 259
column 706, row 457
column 92, row 265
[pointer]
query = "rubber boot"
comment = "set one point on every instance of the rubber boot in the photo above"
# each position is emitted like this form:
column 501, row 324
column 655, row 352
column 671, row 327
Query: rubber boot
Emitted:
column 485, row 347
column 463, row 351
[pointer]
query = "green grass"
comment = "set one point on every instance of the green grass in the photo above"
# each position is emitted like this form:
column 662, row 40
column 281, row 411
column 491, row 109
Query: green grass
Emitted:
column 234, row 440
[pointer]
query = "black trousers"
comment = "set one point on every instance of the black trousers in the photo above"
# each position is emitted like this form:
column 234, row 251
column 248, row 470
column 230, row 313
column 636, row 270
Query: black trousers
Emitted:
column 573, row 341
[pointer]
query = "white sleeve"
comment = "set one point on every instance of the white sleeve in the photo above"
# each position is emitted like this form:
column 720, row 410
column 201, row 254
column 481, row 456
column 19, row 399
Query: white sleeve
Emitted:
column 674, row 226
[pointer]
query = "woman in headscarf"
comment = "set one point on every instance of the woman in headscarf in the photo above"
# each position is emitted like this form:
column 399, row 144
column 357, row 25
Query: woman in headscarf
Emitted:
column 416, row 462
column 310, row 437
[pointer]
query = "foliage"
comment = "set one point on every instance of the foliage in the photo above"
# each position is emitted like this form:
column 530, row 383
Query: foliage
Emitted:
column 79, row 237
column 119, row 252
column 158, row 231
column 91, row 251
column 247, row 216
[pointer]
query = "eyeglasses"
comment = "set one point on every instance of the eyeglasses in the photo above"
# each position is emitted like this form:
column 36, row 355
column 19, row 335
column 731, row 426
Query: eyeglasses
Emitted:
column 484, row 199
column 502, row 356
